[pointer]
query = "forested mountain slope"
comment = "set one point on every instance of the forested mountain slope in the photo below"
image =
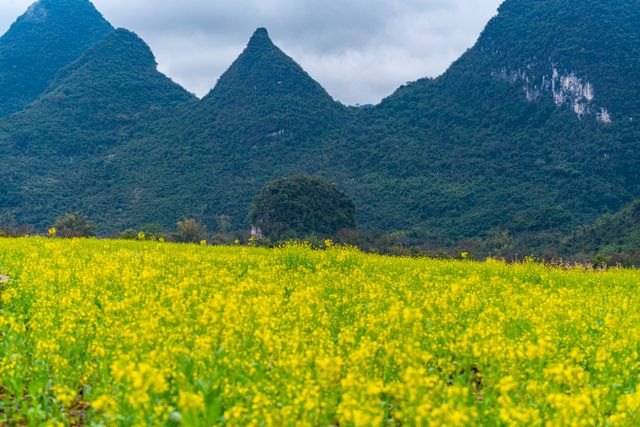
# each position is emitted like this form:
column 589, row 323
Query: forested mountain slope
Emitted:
column 61, row 151
column 536, row 117
column 48, row 36
column 534, row 129
column 615, row 237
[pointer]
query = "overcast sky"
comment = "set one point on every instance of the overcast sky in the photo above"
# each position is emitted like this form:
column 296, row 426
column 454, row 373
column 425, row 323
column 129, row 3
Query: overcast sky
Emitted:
column 359, row 50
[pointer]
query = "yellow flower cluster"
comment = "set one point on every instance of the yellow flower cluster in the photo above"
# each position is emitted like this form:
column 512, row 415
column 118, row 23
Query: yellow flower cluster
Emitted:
column 147, row 333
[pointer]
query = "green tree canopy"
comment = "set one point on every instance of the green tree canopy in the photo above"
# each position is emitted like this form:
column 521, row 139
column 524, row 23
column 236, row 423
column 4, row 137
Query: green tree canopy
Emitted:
column 301, row 206
column 73, row 225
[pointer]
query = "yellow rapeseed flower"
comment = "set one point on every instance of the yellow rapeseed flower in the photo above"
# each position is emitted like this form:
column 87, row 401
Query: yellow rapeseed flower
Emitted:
column 141, row 333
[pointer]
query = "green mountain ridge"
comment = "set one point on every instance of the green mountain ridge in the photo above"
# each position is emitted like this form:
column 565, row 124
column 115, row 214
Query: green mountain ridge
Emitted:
column 268, row 92
column 528, row 153
column 48, row 36
column 615, row 237
column 532, row 131
column 112, row 90
column 555, row 29
column 110, row 96
column 264, row 119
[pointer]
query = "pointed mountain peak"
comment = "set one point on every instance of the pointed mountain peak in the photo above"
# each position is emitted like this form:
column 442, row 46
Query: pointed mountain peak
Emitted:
column 124, row 47
column 264, row 71
column 270, row 96
column 124, row 34
column 119, row 55
column 260, row 38
column 261, row 32
column 47, row 37
column 115, row 84
column 47, row 11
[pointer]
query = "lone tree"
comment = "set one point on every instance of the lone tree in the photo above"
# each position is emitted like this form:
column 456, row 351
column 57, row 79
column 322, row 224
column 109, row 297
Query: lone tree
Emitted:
column 301, row 206
column 74, row 225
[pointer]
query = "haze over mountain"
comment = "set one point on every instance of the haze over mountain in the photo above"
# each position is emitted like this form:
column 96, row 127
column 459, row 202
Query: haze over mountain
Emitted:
column 532, row 132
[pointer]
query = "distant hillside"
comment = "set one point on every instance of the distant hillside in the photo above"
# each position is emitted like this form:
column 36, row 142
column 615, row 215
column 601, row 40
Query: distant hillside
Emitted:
column 524, row 122
column 616, row 237
column 112, row 91
column 265, row 118
column 534, row 131
column 50, row 35
column 266, row 88
column 62, row 149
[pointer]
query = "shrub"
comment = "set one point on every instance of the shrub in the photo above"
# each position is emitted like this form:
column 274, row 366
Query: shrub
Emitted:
column 73, row 225
column 191, row 231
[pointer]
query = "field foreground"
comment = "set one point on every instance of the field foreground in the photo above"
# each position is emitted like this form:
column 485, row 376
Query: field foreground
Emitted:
column 132, row 333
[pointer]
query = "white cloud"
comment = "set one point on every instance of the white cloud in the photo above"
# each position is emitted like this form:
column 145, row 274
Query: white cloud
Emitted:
column 359, row 50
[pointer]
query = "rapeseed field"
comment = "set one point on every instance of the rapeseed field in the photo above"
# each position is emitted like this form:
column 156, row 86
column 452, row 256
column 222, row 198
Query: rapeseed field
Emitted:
column 119, row 333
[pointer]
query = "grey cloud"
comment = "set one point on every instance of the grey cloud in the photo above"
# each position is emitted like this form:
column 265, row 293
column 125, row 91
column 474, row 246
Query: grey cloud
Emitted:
column 359, row 50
